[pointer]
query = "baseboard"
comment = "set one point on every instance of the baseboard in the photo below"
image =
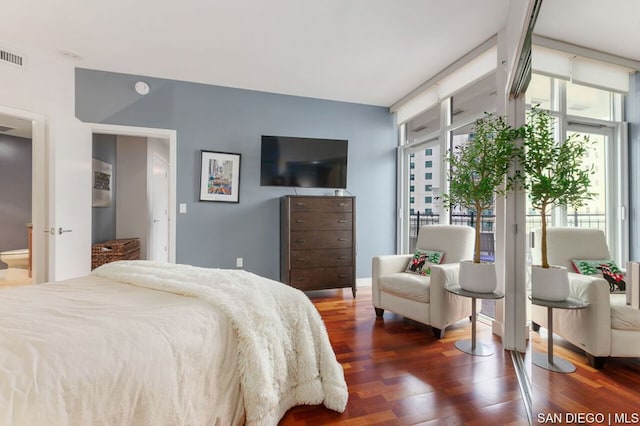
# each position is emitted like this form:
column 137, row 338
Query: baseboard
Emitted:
column 363, row 282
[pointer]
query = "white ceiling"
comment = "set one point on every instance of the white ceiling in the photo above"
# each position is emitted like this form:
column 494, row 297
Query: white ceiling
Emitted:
column 364, row 51
column 610, row 26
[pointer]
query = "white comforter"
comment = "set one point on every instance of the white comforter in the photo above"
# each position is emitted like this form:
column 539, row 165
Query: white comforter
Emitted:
column 95, row 351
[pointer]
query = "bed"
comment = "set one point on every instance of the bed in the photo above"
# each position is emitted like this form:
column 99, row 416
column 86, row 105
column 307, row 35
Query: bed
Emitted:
column 143, row 343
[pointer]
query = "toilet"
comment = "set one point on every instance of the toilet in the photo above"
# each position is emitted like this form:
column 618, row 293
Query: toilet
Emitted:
column 16, row 259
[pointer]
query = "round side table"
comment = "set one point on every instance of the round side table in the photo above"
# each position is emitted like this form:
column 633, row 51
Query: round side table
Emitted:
column 470, row 346
column 551, row 362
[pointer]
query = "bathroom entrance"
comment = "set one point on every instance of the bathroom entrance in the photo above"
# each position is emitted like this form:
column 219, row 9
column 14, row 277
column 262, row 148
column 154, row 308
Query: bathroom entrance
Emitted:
column 16, row 175
column 61, row 208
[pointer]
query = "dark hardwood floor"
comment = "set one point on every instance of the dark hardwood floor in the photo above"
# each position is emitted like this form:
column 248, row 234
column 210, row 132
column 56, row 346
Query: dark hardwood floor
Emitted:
column 611, row 392
column 399, row 374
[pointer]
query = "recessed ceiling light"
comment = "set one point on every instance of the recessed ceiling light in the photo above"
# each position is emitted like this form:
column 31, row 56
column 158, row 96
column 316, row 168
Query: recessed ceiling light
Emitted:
column 71, row 55
column 142, row 88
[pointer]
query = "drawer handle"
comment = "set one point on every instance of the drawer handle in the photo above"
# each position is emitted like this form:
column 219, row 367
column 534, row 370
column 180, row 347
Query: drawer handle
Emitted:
column 300, row 259
column 342, row 205
column 299, row 240
column 342, row 220
column 299, row 221
column 342, row 276
column 342, row 239
column 300, row 204
column 342, row 257
column 300, row 279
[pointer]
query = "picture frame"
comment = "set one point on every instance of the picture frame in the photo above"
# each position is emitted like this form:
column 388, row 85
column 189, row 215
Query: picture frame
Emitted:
column 220, row 176
column 102, row 181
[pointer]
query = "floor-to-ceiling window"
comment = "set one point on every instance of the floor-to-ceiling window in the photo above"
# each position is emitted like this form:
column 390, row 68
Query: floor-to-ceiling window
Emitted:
column 421, row 170
column 594, row 113
column 427, row 136
column 423, row 185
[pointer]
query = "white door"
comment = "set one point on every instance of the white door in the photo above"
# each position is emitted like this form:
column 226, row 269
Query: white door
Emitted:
column 159, row 247
column 69, row 200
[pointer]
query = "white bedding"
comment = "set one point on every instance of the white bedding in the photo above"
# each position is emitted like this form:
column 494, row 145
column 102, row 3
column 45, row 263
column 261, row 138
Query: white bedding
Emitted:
column 91, row 351
column 96, row 351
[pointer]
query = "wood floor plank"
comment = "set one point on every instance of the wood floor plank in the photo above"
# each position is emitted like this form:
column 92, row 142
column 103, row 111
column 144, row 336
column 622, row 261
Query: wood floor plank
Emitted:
column 399, row 374
column 614, row 389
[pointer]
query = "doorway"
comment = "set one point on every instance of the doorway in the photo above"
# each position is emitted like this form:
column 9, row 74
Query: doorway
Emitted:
column 155, row 151
column 31, row 126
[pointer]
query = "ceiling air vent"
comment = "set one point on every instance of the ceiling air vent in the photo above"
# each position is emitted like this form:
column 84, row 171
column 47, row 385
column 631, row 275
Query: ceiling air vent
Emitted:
column 12, row 58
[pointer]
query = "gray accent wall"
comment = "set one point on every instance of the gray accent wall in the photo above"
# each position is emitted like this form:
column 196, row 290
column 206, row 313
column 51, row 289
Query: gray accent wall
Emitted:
column 632, row 109
column 103, row 219
column 15, row 192
column 214, row 118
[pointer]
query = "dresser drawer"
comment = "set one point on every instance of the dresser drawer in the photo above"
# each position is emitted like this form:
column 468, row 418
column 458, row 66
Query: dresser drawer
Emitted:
column 321, row 257
column 301, row 221
column 317, row 278
column 320, row 240
column 326, row 204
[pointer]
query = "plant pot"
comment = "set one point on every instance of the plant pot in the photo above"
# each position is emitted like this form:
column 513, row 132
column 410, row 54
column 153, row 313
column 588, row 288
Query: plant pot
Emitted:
column 478, row 277
column 550, row 284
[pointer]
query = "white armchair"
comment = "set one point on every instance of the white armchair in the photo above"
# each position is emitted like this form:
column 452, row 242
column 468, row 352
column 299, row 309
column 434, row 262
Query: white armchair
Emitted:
column 424, row 298
column 607, row 327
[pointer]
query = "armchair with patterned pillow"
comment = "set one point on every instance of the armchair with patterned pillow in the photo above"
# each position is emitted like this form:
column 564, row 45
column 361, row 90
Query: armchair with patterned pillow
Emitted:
column 413, row 285
column 607, row 327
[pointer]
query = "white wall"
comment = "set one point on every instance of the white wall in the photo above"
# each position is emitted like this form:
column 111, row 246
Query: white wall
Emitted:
column 44, row 91
column 45, row 86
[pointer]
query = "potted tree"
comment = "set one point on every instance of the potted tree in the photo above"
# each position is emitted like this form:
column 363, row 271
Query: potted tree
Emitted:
column 554, row 174
column 478, row 173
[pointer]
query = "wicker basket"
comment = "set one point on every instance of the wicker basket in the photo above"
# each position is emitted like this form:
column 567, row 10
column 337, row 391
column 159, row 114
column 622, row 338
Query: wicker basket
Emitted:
column 112, row 250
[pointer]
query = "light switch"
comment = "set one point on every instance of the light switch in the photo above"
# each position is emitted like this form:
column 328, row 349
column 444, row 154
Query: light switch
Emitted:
column 183, row 207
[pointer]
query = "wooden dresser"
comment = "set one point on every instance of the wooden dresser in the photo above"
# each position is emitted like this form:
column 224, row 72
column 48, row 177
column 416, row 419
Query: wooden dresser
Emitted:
column 317, row 242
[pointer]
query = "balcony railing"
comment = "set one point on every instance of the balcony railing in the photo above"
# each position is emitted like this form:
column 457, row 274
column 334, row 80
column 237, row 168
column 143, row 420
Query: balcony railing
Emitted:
column 416, row 220
column 576, row 219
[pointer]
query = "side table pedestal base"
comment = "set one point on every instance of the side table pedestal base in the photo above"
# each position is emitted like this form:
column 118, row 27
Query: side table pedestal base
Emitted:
column 480, row 349
column 559, row 365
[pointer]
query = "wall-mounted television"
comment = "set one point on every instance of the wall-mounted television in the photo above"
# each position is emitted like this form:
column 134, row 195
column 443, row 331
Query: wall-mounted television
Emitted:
column 303, row 162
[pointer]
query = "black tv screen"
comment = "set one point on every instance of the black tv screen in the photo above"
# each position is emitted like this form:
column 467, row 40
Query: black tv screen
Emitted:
column 303, row 162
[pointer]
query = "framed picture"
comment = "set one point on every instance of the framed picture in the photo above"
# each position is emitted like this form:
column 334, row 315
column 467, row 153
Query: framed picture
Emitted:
column 220, row 177
column 101, row 184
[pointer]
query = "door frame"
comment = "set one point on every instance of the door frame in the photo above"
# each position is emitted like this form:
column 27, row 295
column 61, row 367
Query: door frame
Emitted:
column 39, row 190
column 148, row 132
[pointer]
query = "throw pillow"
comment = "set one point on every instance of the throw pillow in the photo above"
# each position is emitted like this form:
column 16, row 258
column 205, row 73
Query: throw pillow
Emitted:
column 607, row 268
column 421, row 261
